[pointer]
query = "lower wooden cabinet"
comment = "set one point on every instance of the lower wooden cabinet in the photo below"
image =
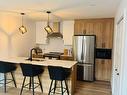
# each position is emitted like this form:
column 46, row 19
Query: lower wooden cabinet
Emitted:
column 103, row 69
column 66, row 57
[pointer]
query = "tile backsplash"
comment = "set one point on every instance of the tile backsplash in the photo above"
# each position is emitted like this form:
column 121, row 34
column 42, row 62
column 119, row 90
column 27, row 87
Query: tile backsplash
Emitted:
column 54, row 45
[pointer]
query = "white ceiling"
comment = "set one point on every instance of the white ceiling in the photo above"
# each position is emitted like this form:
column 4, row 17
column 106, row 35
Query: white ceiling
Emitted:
column 61, row 9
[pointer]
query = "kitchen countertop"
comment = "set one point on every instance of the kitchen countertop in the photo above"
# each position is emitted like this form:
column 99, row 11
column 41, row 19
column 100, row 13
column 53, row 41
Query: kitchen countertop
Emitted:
column 45, row 76
column 40, row 61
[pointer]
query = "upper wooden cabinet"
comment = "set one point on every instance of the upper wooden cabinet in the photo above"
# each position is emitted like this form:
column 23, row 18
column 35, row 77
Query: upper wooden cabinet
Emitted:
column 102, row 28
column 41, row 34
column 68, row 32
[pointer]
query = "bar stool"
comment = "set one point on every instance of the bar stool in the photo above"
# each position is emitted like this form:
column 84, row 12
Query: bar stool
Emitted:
column 31, row 71
column 7, row 67
column 58, row 74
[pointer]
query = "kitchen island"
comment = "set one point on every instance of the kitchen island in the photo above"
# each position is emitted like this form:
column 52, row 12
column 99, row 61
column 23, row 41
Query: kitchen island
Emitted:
column 45, row 76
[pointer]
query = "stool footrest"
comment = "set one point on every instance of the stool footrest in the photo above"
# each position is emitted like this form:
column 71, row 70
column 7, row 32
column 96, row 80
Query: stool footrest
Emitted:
column 57, row 91
column 25, row 86
column 62, row 88
column 31, row 85
column 6, row 82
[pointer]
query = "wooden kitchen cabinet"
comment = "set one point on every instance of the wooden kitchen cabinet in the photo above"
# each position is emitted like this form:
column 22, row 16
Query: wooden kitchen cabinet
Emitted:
column 107, row 35
column 85, row 27
column 68, row 32
column 41, row 34
column 103, row 29
column 66, row 57
column 103, row 69
column 78, row 27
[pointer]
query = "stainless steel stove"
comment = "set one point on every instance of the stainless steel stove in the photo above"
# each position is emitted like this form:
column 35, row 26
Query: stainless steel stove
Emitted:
column 51, row 55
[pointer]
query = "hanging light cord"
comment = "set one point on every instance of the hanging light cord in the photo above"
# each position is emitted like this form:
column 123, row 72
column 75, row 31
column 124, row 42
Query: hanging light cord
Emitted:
column 48, row 18
column 22, row 17
column 22, row 20
column 48, row 12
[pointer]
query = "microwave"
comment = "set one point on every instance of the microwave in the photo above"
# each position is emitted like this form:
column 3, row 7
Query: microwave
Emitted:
column 103, row 53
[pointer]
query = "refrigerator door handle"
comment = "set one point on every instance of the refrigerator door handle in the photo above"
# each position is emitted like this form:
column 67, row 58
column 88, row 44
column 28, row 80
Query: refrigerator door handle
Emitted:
column 82, row 55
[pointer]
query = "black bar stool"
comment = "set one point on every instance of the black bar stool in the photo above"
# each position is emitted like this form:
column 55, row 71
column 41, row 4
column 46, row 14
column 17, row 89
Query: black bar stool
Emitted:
column 31, row 71
column 58, row 74
column 7, row 67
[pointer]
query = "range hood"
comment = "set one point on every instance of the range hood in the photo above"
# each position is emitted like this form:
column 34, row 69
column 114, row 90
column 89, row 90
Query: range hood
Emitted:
column 56, row 31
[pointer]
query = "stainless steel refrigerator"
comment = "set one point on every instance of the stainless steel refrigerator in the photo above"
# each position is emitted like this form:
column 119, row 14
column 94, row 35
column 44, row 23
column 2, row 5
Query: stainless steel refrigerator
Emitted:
column 84, row 53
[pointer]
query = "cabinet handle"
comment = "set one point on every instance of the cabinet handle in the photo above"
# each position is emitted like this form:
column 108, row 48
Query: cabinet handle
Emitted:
column 117, row 74
column 116, row 69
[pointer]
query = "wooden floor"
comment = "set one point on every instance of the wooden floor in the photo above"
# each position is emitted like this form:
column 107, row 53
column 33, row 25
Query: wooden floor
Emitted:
column 83, row 88
column 93, row 88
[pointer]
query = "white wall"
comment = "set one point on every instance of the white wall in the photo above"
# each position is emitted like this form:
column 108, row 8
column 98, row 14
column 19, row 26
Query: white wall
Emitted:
column 123, row 75
column 12, row 42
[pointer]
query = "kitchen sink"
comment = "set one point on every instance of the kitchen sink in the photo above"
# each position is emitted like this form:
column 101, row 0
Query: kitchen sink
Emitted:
column 35, row 59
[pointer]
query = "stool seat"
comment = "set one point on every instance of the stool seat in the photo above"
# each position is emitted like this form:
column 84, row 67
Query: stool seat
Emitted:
column 7, row 67
column 58, row 74
column 31, row 71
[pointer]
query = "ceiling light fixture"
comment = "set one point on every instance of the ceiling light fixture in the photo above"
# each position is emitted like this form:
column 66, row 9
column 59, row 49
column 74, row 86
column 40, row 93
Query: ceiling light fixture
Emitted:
column 48, row 28
column 22, row 29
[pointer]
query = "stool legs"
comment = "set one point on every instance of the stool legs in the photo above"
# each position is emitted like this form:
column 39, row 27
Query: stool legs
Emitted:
column 13, row 80
column 62, row 87
column 40, row 84
column 30, row 84
column 23, row 85
column 55, row 87
column 66, row 87
column 50, row 87
column 5, row 79
column 33, row 85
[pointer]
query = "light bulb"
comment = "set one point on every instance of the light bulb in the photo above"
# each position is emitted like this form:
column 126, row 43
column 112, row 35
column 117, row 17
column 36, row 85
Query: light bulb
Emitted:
column 23, row 29
column 48, row 29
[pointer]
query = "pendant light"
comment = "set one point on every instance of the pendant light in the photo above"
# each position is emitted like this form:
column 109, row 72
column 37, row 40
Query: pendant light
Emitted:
column 22, row 29
column 48, row 28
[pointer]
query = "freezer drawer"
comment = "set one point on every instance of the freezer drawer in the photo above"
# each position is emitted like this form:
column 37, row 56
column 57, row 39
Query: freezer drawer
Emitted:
column 85, row 72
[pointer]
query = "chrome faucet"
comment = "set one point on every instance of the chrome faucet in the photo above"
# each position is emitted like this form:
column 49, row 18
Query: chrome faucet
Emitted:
column 31, row 53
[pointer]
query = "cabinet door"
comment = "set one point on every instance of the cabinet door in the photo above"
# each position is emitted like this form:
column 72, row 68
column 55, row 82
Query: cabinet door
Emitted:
column 98, row 30
column 98, row 70
column 103, row 70
column 68, row 32
column 79, row 27
column 107, row 34
column 41, row 34
column 89, row 28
